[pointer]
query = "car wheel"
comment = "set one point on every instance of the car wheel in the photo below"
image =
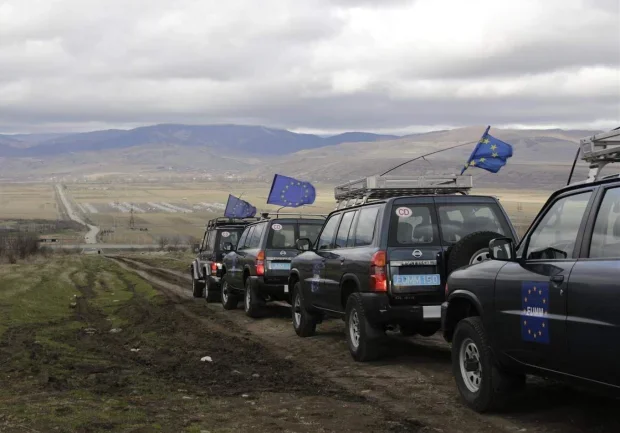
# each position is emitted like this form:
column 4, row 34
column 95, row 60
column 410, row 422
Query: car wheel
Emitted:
column 481, row 384
column 362, row 337
column 210, row 294
column 472, row 249
column 229, row 300
column 197, row 288
column 304, row 323
column 407, row 330
column 250, row 300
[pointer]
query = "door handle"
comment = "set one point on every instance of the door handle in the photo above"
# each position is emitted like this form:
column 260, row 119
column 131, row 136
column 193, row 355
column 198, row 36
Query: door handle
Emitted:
column 558, row 279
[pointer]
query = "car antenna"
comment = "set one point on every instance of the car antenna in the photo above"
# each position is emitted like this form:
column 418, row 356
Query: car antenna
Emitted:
column 572, row 170
column 428, row 154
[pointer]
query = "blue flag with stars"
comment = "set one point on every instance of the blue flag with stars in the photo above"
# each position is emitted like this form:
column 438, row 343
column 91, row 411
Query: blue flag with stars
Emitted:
column 489, row 154
column 535, row 312
column 237, row 208
column 289, row 192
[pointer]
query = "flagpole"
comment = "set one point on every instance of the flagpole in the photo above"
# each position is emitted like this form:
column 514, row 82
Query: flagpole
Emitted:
column 428, row 154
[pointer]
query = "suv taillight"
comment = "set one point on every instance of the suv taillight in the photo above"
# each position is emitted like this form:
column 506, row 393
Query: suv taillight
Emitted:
column 260, row 263
column 378, row 272
column 213, row 268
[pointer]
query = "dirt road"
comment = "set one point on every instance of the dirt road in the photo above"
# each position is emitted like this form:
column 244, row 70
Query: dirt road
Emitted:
column 413, row 382
column 91, row 236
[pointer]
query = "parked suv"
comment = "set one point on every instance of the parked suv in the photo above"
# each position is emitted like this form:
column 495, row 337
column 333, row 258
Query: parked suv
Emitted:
column 257, row 269
column 548, row 306
column 206, row 269
column 384, row 263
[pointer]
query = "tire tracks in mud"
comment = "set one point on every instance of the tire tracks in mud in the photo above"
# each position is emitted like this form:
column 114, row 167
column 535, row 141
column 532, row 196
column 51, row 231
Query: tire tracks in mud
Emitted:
column 413, row 381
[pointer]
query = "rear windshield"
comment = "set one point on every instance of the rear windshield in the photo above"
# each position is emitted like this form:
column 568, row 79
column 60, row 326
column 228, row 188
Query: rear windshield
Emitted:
column 227, row 235
column 416, row 225
column 285, row 234
column 459, row 220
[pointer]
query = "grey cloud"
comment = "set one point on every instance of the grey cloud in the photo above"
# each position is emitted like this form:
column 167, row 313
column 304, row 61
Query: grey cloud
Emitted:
column 100, row 62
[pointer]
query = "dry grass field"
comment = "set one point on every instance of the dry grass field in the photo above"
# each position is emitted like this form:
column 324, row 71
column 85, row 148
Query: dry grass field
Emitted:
column 178, row 211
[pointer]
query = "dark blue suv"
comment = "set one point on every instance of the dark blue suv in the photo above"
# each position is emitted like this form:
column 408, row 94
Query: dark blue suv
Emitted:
column 384, row 263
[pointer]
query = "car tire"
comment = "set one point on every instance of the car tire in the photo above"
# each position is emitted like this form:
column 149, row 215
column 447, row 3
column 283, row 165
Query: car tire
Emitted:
column 485, row 388
column 304, row 322
column 210, row 294
column 473, row 248
column 408, row 330
column 251, row 303
column 362, row 337
column 197, row 288
column 229, row 299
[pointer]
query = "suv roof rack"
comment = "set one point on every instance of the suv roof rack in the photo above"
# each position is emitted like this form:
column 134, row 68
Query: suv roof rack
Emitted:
column 267, row 215
column 381, row 187
column 220, row 221
column 600, row 150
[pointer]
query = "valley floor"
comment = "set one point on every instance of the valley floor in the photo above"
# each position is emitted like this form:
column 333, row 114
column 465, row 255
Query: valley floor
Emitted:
column 94, row 344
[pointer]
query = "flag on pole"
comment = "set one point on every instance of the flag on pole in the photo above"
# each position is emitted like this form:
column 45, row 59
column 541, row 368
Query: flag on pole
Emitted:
column 489, row 154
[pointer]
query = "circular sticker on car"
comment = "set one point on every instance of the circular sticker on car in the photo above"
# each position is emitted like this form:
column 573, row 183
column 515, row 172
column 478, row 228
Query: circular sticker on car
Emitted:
column 276, row 227
column 403, row 212
column 225, row 234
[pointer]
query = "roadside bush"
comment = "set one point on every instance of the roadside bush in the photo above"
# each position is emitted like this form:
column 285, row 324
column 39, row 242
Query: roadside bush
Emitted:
column 18, row 245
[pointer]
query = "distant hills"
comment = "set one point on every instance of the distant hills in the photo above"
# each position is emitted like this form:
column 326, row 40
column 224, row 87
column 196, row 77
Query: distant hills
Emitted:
column 541, row 158
column 250, row 140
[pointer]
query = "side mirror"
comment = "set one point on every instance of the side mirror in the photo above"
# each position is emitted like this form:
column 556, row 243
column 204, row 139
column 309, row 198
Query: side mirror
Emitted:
column 502, row 249
column 197, row 250
column 303, row 244
column 228, row 247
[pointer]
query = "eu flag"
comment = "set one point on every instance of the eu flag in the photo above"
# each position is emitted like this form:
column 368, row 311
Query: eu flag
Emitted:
column 289, row 192
column 535, row 312
column 237, row 208
column 489, row 154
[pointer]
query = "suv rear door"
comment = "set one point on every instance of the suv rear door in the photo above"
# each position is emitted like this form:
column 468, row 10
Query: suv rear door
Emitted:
column 413, row 254
column 338, row 261
column 593, row 321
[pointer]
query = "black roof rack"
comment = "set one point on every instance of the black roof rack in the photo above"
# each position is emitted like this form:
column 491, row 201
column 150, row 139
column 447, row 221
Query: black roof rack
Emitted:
column 225, row 221
column 267, row 215
column 377, row 187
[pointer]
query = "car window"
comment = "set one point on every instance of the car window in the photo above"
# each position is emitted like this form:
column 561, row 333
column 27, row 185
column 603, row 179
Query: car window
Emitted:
column 282, row 235
column 254, row 240
column 365, row 230
column 606, row 235
column 244, row 236
column 343, row 230
column 225, row 235
column 211, row 240
column 205, row 241
column 310, row 231
column 459, row 220
column 327, row 235
column 412, row 225
column 246, row 243
column 555, row 236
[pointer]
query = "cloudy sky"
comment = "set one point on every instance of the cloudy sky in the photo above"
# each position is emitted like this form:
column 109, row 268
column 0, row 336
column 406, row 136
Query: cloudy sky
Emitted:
column 315, row 65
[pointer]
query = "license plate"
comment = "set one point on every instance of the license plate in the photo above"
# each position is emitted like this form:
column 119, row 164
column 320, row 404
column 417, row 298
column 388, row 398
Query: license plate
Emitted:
column 280, row 266
column 417, row 280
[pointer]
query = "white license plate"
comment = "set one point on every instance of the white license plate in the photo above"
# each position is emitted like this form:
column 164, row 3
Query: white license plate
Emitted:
column 417, row 280
column 280, row 266
column 431, row 312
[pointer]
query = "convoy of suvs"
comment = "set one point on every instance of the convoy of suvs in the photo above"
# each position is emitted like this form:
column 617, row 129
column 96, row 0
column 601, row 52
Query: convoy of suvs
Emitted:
column 419, row 255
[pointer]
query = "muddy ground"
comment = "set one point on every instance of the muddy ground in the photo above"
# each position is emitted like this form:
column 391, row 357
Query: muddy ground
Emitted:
column 412, row 381
column 116, row 345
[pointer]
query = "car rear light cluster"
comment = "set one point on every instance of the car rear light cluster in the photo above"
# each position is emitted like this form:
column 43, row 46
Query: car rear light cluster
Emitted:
column 378, row 272
column 213, row 268
column 260, row 264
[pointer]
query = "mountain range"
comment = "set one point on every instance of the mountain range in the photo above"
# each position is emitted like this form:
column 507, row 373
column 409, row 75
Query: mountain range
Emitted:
column 542, row 158
column 250, row 140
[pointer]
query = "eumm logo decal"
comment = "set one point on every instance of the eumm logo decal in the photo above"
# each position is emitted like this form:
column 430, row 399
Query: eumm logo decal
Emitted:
column 535, row 312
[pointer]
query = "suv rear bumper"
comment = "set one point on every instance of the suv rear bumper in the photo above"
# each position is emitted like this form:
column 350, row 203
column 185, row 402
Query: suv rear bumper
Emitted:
column 277, row 291
column 378, row 310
